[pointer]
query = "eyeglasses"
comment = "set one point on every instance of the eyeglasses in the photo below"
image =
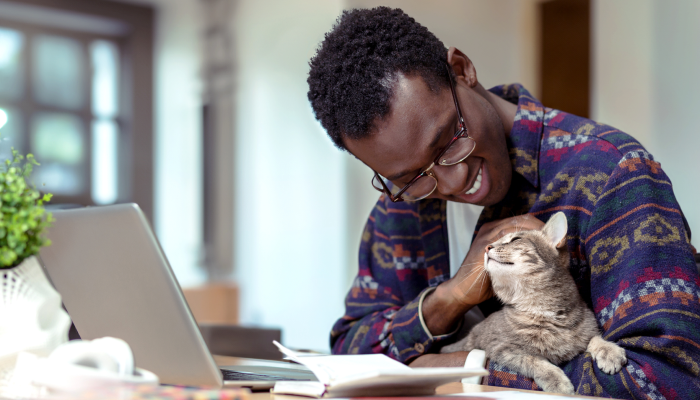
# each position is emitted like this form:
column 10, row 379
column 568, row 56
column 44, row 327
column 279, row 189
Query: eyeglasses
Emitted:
column 425, row 183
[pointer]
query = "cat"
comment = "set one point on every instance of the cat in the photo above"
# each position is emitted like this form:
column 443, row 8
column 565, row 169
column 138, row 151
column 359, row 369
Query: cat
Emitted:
column 544, row 321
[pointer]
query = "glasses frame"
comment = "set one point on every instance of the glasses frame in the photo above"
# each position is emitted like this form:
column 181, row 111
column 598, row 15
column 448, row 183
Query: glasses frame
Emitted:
column 461, row 132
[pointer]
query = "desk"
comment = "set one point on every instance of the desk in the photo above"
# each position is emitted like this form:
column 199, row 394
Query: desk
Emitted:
column 449, row 388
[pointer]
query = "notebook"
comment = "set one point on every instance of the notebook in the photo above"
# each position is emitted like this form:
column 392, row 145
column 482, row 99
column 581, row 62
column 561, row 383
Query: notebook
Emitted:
column 367, row 375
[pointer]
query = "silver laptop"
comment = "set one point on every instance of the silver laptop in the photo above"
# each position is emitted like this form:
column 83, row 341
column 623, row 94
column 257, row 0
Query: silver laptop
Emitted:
column 115, row 281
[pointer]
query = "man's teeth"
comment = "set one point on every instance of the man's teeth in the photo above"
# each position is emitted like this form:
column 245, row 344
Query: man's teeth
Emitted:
column 477, row 184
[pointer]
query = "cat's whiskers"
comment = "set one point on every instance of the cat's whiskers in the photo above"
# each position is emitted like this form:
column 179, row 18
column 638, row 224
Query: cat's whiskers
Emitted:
column 470, row 274
column 482, row 282
column 478, row 278
column 481, row 277
column 474, row 263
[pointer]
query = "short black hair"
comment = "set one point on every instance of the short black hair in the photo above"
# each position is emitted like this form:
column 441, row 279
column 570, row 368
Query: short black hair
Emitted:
column 354, row 70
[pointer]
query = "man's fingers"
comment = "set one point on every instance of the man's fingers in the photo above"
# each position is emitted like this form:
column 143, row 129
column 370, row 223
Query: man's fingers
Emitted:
column 527, row 222
column 489, row 225
column 523, row 222
column 505, row 231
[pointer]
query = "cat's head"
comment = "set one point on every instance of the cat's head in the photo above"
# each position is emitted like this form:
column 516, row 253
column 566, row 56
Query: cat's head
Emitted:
column 522, row 261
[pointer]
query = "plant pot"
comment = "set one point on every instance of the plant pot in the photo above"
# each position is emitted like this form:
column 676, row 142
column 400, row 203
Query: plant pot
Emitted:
column 31, row 316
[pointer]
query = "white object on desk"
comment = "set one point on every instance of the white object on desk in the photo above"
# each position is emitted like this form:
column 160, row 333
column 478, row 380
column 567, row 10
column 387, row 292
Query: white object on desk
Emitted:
column 475, row 359
column 78, row 366
column 31, row 317
column 107, row 354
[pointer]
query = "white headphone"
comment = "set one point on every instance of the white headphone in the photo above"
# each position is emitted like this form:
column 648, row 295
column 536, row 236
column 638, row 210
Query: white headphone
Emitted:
column 82, row 365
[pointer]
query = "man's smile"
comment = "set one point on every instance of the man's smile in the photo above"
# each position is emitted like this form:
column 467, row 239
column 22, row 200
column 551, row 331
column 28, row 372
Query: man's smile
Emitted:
column 479, row 188
column 477, row 183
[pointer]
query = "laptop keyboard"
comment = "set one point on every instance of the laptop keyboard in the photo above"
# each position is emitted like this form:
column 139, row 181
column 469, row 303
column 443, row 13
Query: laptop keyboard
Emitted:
column 247, row 376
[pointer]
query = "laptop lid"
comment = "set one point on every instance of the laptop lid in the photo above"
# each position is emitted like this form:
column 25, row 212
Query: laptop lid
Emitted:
column 115, row 281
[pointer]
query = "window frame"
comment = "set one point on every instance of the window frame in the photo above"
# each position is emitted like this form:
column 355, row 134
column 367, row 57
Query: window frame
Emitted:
column 135, row 116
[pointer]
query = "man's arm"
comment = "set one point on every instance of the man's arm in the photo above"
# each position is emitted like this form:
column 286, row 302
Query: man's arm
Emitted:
column 644, row 285
column 382, row 308
column 456, row 359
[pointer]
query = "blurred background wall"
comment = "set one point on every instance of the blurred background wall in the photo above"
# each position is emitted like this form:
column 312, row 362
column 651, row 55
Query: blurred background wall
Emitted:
column 250, row 194
column 290, row 237
column 645, row 82
column 177, row 158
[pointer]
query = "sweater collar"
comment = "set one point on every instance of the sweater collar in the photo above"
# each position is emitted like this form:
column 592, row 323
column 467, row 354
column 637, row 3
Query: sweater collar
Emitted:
column 526, row 134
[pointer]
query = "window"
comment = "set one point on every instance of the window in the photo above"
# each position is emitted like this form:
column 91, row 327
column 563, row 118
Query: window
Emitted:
column 68, row 94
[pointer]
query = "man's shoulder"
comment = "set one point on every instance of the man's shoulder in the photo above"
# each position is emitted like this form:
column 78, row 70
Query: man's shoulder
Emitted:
column 404, row 215
column 572, row 137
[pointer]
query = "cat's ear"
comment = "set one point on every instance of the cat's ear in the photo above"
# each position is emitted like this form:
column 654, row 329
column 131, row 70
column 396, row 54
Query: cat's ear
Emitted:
column 555, row 229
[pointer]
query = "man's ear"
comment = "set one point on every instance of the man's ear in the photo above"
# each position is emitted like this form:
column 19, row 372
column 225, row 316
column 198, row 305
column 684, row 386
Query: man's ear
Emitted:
column 555, row 230
column 462, row 66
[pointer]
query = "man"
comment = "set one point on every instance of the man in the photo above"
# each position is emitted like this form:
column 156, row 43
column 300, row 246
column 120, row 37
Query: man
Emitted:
column 456, row 161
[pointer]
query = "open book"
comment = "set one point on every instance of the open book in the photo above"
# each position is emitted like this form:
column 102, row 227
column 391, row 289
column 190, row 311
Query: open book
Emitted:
column 367, row 375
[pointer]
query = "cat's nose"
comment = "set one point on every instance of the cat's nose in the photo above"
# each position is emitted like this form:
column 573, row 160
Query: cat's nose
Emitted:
column 488, row 247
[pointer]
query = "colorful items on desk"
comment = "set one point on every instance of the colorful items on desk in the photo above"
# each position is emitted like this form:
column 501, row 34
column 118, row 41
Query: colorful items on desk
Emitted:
column 164, row 393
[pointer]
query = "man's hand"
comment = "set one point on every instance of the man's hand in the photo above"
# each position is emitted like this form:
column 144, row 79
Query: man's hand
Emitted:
column 471, row 285
column 456, row 359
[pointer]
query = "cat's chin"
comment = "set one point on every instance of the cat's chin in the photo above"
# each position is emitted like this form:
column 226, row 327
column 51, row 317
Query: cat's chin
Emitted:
column 505, row 263
column 493, row 260
column 496, row 261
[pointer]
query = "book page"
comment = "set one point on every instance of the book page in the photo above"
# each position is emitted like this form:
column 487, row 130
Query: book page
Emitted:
column 338, row 367
column 329, row 368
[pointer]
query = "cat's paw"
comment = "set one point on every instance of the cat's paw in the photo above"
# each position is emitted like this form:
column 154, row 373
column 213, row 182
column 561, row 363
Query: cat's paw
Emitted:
column 607, row 355
column 561, row 388
column 610, row 359
column 554, row 381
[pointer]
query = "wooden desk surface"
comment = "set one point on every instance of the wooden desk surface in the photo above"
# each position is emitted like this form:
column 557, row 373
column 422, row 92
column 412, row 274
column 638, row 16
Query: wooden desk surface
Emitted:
column 450, row 388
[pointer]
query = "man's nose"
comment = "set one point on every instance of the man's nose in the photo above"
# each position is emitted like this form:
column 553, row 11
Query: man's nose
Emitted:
column 452, row 179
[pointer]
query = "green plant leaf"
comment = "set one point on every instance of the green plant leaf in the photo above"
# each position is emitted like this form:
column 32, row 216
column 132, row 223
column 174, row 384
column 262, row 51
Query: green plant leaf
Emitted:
column 23, row 218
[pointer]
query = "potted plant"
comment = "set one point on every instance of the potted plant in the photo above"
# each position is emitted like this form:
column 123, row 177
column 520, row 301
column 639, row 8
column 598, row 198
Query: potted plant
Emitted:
column 31, row 316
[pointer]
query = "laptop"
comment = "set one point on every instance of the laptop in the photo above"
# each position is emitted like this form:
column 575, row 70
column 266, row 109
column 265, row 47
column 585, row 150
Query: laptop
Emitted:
column 116, row 281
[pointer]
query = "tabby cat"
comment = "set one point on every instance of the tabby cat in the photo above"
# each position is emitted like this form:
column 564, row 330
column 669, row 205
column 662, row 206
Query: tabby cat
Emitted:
column 544, row 321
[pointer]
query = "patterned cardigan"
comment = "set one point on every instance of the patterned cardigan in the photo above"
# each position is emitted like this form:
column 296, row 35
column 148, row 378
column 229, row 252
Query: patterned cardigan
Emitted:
column 630, row 256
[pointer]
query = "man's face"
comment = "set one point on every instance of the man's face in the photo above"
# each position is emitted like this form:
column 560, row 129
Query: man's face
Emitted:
column 420, row 123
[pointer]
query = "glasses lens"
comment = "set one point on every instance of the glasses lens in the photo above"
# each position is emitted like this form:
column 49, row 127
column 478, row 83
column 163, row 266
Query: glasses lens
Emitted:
column 420, row 189
column 377, row 185
column 458, row 151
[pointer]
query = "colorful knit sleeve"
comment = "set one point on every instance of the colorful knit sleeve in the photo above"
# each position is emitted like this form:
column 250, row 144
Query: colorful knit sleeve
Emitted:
column 644, row 287
column 378, row 319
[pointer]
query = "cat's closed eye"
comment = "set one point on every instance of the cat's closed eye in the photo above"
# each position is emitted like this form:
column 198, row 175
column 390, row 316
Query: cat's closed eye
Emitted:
column 514, row 239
